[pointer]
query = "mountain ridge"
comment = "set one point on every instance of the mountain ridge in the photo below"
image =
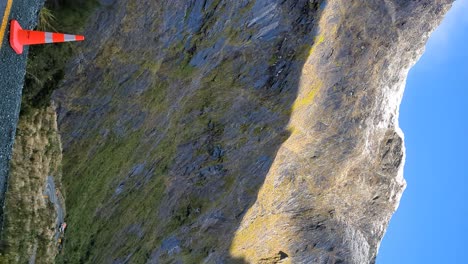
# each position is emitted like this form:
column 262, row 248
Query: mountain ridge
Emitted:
column 237, row 132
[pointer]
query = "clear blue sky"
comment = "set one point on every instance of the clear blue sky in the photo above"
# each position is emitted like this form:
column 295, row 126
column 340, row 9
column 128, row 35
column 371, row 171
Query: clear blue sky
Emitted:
column 431, row 225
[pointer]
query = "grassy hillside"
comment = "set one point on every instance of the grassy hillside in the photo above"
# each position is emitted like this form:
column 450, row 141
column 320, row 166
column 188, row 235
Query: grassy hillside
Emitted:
column 170, row 124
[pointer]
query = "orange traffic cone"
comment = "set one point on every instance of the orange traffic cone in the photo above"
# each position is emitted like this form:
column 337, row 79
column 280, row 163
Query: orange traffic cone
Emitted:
column 20, row 37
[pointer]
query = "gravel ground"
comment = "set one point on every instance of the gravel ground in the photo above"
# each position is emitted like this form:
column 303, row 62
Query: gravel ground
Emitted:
column 12, row 72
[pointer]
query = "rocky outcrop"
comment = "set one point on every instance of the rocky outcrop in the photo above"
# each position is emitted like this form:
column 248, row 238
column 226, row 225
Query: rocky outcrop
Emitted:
column 30, row 224
column 337, row 179
column 237, row 131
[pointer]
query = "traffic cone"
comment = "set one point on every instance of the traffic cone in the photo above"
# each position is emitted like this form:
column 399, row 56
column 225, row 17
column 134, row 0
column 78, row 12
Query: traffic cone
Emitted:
column 20, row 37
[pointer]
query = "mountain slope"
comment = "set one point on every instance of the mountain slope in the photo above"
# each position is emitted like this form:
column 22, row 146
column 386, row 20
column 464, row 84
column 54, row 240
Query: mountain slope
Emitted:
column 247, row 131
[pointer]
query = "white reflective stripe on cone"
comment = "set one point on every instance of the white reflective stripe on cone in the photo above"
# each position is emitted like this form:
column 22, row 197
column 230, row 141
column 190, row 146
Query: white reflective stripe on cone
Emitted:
column 49, row 37
column 69, row 37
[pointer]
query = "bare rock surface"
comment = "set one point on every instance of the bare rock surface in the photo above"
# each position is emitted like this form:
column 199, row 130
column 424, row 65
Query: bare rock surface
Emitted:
column 237, row 131
column 337, row 179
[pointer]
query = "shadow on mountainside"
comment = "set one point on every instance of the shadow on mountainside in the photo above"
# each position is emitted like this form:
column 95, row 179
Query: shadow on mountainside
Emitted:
column 170, row 118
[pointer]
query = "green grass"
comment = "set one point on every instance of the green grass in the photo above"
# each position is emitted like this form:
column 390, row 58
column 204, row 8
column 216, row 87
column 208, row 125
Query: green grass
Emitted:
column 88, row 179
column 46, row 20
column 90, row 188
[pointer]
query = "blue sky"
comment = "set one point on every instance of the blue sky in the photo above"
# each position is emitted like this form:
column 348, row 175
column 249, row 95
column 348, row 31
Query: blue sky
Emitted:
column 431, row 224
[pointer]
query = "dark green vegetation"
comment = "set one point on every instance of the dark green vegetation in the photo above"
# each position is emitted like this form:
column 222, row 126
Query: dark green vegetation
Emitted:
column 46, row 63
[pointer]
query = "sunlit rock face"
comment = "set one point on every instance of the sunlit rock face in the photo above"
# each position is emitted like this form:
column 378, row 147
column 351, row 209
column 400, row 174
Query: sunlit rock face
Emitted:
column 237, row 131
column 337, row 179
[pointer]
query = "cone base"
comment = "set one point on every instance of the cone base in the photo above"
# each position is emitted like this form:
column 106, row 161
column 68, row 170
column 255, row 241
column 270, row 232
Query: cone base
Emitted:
column 15, row 43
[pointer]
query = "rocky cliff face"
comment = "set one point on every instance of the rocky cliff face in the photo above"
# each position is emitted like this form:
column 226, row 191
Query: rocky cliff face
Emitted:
column 237, row 131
